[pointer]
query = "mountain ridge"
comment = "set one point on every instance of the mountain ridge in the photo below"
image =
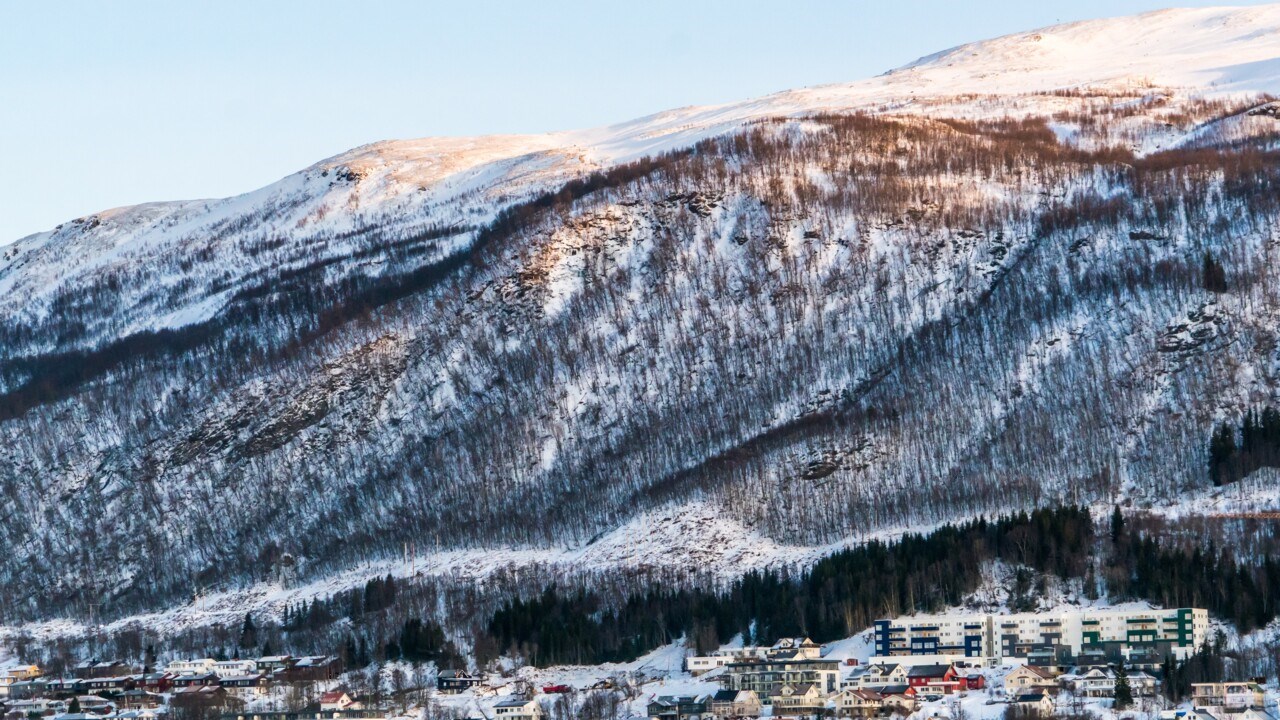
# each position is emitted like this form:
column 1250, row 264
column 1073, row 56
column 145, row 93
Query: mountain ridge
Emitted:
column 527, row 341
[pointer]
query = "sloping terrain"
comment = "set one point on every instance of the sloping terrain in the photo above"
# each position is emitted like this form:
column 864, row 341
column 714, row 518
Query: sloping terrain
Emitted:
column 972, row 284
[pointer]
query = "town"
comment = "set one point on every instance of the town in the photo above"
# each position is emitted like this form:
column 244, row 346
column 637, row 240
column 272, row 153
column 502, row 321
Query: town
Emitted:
column 1015, row 665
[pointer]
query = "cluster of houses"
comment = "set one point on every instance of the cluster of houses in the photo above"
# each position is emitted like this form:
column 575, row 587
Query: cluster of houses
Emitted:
column 114, row 689
column 793, row 678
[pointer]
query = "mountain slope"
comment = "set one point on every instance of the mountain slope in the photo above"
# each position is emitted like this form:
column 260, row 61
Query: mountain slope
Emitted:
column 968, row 285
column 405, row 186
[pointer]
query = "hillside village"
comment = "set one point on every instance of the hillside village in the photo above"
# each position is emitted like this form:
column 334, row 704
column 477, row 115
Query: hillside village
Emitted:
column 1078, row 663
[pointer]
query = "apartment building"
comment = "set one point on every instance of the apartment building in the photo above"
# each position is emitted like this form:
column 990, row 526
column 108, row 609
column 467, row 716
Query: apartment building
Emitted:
column 766, row 678
column 1049, row 639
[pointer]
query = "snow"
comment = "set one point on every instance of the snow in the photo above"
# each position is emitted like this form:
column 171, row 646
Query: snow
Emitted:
column 1198, row 52
column 1258, row 492
column 465, row 181
column 673, row 540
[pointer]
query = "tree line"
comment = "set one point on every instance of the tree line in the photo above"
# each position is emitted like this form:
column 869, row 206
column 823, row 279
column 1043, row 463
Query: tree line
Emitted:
column 1259, row 446
column 839, row 596
column 842, row 594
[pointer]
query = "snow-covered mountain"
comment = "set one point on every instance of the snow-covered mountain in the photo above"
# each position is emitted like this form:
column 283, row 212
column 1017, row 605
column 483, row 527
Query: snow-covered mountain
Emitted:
column 969, row 284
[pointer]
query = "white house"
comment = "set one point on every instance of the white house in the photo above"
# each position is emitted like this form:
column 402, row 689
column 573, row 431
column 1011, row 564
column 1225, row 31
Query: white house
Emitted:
column 1100, row 682
column 1229, row 695
column 203, row 666
column 699, row 664
column 802, row 699
column 235, row 668
column 801, row 648
column 336, row 700
column 735, row 703
column 519, row 709
column 1037, row 702
column 878, row 675
column 856, row 703
column 1026, row 678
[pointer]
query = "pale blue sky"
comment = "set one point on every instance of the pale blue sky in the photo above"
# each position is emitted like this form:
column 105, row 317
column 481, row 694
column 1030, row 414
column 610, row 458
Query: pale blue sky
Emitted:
column 106, row 104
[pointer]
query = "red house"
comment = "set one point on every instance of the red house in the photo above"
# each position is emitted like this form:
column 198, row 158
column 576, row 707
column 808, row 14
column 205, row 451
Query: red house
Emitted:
column 922, row 676
column 944, row 679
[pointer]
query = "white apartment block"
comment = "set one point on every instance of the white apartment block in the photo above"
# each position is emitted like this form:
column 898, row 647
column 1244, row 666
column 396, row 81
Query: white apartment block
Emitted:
column 699, row 664
column 1047, row 638
column 235, row 668
column 203, row 666
column 786, row 648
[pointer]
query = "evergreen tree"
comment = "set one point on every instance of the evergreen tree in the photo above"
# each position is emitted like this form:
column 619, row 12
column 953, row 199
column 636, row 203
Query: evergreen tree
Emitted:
column 1222, row 456
column 350, row 656
column 73, row 707
column 1124, row 694
column 1214, row 276
column 248, row 632
column 1117, row 525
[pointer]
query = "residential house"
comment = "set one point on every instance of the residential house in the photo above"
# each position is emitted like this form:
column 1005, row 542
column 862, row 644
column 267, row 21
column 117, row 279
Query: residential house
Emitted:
column 1101, row 682
column 794, row 649
column 678, row 707
column 803, row 699
column 235, row 668
column 95, row 704
column 944, row 679
column 921, row 676
column 153, row 682
column 138, row 699
column 969, row 678
column 315, row 668
column 18, row 674
column 1025, row 678
column 63, row 687
column 876, row 676
column 1034, row 701
column 899, row 699
column 337, row 700
column 109, row 684
column 23, row 709
column 1218, row 713
column 109, row 668
column 202, row 666
column 274, row 663
column 27, row 689
column 207, row 679
column 519, row 709
column 1228, row 695
column 856, row 703
column 700, row 664
column 77, row 716
column 140, row 714
column 734, row 704
column 246, row 687
column 204, row 696
column 24, row 672
column 452, row 682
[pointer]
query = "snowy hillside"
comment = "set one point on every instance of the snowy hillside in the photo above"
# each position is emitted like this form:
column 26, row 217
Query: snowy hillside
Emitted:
column 745, row 333
column 403, row 187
